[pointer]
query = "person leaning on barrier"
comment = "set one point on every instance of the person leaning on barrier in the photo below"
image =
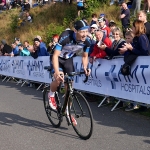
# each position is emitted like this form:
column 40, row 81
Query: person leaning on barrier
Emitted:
column 39, row 49
column 15, row 49
column 117, row 43
column 139, row 47
column 23, row 51
column 5, row 48
column 101, row 40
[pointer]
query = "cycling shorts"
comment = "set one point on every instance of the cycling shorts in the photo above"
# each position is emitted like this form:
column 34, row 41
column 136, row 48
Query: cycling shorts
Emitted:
column 66, row 65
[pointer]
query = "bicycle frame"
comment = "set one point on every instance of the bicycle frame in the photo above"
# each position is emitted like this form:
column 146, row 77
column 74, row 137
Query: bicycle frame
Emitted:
column 69, row 90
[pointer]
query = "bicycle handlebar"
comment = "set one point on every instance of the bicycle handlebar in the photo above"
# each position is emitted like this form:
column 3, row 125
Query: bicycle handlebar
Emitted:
column 48, row 68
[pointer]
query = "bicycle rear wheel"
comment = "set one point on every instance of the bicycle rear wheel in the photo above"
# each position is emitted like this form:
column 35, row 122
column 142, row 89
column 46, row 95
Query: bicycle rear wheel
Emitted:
column 54, row 116
column 80, row 110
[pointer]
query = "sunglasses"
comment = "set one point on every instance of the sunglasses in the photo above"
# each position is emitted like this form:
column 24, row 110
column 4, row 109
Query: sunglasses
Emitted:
column 99, row 30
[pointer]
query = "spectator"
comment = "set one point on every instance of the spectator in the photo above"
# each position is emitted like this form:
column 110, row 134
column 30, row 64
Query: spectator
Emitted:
column 139, row 47
column 112, row 25
column 53, row 43
column 102, row 26
column 39, row 49
column 2, row 4
column 26, row 6
column 26, row 44
column 28, row 17
column 143, row 17
column 136, row 6
column 23, row 51
column 147, row 4
column 125, row 17
column 104, row 16
column 15, row 49
column 17, row 41
column 80, row 6
column 94, row 19
column 101, row 39
column 5, row 48
column 116, row 45
column 93, row 28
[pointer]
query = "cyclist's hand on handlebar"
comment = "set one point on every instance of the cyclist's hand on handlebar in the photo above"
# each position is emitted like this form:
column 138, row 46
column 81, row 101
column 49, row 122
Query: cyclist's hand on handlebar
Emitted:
column 59, row 76
column 87, row 71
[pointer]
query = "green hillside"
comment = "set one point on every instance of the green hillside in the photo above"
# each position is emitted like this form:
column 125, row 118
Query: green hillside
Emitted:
column 48, row 20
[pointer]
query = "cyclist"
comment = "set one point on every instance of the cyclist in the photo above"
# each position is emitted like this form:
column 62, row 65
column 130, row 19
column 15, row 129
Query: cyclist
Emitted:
column 70, row 44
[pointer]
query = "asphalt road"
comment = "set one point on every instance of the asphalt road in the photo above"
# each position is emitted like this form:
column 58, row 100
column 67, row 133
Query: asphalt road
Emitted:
column 24, row 125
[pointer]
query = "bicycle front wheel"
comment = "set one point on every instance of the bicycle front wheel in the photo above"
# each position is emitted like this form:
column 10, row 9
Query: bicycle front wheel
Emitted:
column 79, row 110
column 53, row 115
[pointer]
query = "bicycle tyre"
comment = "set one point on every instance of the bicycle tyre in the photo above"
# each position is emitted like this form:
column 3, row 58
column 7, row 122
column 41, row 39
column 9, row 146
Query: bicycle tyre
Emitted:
column 80, row 110
column 53, row 115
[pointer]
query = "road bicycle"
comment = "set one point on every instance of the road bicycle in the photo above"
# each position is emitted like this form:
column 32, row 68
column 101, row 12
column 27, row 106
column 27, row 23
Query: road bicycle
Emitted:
column 74, row 105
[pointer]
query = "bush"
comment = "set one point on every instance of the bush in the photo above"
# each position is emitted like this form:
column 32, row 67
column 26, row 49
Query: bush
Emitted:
column 14, row 23
column 53, row 29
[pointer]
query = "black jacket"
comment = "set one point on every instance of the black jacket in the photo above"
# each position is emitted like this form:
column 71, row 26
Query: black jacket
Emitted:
column 6, row 49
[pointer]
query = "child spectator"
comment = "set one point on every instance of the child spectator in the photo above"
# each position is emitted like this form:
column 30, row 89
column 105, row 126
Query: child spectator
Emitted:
column 23, row 51
column 15, row 49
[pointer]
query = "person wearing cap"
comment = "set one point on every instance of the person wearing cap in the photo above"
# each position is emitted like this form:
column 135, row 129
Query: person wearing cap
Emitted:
column 39, row 49
column 17, row 41
column 125, row 17
column 104, row 16
column 102, row 26
column 70, row 44
column 93, row 28
column 5, row 48
column 23, row 51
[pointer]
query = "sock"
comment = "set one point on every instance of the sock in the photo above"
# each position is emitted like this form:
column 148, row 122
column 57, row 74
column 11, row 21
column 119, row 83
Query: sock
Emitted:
column 51, row 94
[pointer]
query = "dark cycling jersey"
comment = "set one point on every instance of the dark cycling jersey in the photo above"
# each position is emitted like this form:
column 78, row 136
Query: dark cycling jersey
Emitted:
column 69, row 47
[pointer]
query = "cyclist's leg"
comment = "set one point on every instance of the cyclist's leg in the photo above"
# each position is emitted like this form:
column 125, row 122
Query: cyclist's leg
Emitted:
column 53, row 88
column 68, row 68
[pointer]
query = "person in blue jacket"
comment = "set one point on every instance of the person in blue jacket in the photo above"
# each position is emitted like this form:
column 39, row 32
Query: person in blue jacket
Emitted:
column 40, row 49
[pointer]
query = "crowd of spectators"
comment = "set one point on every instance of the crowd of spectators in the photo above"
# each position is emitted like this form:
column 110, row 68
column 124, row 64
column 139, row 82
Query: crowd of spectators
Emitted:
column 107, row 40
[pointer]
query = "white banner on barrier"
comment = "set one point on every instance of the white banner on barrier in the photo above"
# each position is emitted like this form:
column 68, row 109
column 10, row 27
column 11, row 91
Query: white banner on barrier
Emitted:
column 25, row 68
column 105, row 76
column 107, row 79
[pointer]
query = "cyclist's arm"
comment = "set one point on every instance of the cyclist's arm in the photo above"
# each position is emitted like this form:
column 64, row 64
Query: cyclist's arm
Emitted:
column 85, row 60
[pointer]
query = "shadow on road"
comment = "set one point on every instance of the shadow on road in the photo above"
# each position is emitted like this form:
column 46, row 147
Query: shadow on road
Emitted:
column 8, row 119
column 131, row 124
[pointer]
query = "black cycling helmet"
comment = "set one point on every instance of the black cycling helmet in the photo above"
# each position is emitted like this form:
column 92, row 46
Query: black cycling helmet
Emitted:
column 81, row 25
